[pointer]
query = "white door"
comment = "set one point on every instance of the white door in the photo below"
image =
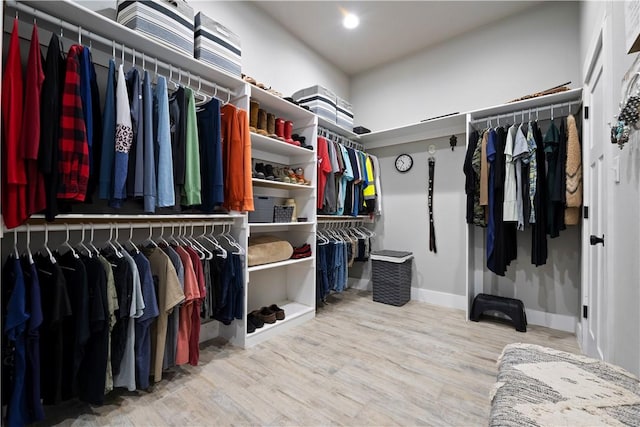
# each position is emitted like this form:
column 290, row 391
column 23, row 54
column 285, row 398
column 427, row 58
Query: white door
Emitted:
column 594, row 295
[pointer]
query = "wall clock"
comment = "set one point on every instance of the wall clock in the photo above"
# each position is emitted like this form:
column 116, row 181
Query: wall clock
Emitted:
column 404, row 162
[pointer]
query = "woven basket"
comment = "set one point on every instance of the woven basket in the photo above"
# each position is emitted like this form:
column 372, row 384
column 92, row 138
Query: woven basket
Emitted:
column 391, row 279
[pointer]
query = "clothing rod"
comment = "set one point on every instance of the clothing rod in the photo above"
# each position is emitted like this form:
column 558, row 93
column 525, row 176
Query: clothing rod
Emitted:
column 526, row 111
column 120, row 46
column 111, row 225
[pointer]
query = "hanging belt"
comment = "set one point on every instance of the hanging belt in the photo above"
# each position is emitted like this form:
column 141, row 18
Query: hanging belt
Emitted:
column 432, row 228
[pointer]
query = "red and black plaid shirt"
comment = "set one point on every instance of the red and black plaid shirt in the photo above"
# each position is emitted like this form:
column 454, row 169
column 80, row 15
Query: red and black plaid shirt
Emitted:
column 73, row 149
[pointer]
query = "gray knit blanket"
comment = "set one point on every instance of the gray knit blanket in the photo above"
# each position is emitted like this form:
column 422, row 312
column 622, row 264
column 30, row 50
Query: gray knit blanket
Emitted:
column 539, row 386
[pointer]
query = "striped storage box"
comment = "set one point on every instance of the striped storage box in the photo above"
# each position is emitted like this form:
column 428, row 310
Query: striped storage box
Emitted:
column 344, row 114
column 216, row 45
column 169, row 22
column 319, row 99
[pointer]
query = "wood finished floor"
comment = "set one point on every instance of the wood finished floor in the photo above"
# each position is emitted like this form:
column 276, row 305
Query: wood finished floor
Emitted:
column 359, row 363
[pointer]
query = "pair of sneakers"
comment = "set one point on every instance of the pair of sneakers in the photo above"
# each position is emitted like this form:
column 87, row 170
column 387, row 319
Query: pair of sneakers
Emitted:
column 257, row 318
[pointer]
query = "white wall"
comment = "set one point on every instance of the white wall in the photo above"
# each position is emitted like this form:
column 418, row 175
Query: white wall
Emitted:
column 404, row 224
column 270, row 54
column 623, row 198
column 533, row 51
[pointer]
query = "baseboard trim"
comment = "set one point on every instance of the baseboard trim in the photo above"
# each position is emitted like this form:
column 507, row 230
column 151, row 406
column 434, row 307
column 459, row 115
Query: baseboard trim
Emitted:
column 442, row 299
column 561, row 322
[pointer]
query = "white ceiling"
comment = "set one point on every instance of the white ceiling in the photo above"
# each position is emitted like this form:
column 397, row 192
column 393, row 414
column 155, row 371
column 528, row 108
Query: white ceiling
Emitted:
column 388, row 30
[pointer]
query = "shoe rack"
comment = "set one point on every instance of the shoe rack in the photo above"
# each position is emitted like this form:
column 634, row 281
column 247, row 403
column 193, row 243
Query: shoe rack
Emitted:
column 291, row 284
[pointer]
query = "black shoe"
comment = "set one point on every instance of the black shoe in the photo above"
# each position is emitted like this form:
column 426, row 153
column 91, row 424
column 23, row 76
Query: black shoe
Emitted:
column 268, row 172
column 250, row 326
column 255, row 320
column 260, row 171
column 278, row 311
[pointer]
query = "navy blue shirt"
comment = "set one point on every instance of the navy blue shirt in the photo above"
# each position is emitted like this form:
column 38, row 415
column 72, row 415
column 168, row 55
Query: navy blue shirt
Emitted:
column 143, row 323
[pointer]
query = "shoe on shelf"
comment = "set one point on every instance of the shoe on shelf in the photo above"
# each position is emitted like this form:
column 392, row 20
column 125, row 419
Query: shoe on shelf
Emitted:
column 266, row 315
column 301, row 178
column 253, row 115
column 278, row 311
column 292, row 175
column 280, row 128
column 301, row 140
column 262, row 122
column 281, row 176
column 260, row 171
column 268, row 172
column 251, row 327
column 271, row 126
column 253, row 319
column 303, row 251
column 288, row 129
column 248, row 79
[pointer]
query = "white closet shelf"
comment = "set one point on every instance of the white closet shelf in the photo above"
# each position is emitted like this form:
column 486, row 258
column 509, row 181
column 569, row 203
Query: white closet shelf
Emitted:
column 275, row 146
column 436, row 128
column 329, row 218
column 268, row 225
column 276, row 184
column 532, row 103
column 280, row 264
column 141, row 217
column 110, row 29
column 281, row 108
column 347, row 133
column 294, row 313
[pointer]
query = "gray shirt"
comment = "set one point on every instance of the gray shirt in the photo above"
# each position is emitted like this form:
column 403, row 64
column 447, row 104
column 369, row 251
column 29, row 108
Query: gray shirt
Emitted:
column 174, row 318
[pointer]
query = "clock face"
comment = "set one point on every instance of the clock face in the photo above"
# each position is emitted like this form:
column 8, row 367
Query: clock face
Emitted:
column 404, row 162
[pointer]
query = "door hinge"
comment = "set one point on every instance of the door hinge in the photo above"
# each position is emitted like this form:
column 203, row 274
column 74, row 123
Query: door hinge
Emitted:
column 585, row 311
column 586, row 113
column 585, row 212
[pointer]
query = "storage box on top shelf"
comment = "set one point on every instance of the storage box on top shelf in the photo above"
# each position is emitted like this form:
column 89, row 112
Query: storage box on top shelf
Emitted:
column 319, row 99
column 344, row 114
column 217, row 45
column 169, row 22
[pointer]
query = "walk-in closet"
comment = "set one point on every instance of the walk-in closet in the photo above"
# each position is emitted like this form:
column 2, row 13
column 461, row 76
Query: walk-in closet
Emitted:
column 320, row 213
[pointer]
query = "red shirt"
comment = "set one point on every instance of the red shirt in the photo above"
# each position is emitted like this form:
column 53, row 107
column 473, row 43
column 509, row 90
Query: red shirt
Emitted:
column 36, row 193
column 73, row 149
column 324, row 168
column 14, row 179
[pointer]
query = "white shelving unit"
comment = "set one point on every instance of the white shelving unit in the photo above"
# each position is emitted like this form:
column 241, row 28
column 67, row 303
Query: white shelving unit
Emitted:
column 322, row 122
column 291, row 283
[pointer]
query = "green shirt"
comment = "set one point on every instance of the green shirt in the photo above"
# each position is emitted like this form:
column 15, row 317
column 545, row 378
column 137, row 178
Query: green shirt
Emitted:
column 192, row 182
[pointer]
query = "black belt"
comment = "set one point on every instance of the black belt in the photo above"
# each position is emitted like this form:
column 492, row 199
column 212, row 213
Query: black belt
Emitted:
column 432, row 228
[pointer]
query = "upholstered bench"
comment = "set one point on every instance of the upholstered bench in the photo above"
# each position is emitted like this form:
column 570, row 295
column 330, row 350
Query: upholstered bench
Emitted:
column 539, row 386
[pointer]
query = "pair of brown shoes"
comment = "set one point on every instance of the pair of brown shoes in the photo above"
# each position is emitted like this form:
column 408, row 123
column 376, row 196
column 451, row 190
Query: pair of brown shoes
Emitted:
column 269, row 314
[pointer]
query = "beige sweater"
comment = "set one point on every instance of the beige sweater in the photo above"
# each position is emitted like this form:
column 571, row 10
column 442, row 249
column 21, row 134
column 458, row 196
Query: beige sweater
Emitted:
column 574, row 174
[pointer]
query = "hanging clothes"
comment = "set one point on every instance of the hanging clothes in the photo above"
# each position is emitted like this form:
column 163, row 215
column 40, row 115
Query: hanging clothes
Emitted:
column 123, row 141
column 165, row 176
column 191, row 192
column 108, row 148
column 470, row 176
column 191, row 293
column 150, row 183
column 73, row 160
column 14, row 179
column 15, row 321
column 112, row 307
column 92, row 380
column 211, row 168
column 173, row 319
column 169, row 295
column 573, row 174
column 50, row 104
column 135, row 165
column 324, row 169
column 143, row 323
column 35, row 411
column 30, row 134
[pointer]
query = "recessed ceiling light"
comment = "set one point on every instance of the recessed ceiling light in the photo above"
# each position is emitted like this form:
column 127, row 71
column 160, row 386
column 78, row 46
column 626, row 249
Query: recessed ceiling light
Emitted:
column 350, row 21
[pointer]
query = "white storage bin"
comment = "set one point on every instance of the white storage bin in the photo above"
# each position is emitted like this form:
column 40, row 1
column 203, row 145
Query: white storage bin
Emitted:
column 319, row 99
column 169, row 22
column 344, row 114
column 217, row 45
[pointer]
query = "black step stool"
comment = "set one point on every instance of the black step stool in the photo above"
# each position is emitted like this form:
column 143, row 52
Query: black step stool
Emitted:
column 514, row 308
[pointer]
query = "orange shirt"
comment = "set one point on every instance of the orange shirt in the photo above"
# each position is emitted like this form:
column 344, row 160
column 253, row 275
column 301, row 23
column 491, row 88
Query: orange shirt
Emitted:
column 191, row 293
